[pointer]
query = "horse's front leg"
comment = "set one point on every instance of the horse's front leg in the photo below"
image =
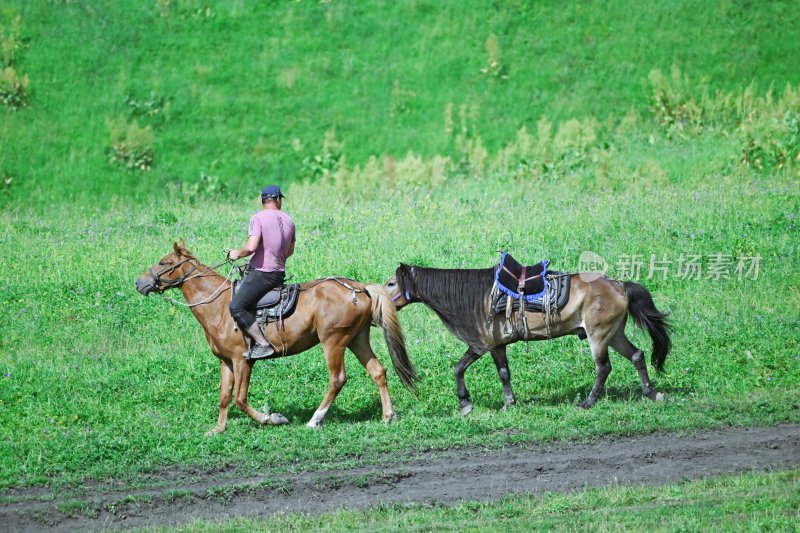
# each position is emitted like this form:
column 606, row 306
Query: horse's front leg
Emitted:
column 501, row 362
column 242, row 370
column 464, row 400
column 225, row 389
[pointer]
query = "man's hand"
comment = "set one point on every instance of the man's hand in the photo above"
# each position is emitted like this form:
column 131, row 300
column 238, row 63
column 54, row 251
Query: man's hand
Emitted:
column 233, row 255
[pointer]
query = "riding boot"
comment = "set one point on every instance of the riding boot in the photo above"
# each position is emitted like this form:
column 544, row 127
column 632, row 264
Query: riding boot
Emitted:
column 262, row 348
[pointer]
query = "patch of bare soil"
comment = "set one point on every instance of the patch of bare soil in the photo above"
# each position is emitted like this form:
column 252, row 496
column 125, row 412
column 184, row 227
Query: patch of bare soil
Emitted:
column 442, row 477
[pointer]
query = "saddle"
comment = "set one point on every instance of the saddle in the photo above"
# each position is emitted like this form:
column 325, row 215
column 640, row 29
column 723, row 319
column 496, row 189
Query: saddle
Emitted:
column 277, row 304
column 541, row 289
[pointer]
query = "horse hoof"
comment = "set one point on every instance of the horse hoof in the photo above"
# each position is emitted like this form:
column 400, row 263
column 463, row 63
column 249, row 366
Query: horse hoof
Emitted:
column 466, row 409
column 277, row 419
column 659, row 397
column 213, row 431
column 586, row 404
column 389, row 419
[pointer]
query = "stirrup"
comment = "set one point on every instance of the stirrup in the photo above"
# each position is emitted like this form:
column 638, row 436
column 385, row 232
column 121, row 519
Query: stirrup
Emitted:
column 260, row 351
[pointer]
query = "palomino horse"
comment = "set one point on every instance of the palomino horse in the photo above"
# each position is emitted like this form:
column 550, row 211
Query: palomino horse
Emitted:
column 335, row 313
column 596, row 310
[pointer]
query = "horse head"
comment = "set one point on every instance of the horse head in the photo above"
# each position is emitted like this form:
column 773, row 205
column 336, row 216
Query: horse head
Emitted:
column 168, row 272
column 401, row 286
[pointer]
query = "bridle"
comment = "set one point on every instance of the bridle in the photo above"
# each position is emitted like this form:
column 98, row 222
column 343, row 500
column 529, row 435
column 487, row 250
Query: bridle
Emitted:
column 171, row 282
column 175, row 282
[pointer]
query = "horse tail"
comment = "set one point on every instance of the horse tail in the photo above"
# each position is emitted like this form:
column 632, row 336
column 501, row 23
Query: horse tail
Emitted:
column 646, row 316
column 384, row 314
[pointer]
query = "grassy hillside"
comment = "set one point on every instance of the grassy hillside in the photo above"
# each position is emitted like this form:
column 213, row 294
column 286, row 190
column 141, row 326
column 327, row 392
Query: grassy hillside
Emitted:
column 649, row 133
column 246, row 91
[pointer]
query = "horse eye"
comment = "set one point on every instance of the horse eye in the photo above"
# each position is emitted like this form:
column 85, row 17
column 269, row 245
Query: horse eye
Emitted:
column 391, row 284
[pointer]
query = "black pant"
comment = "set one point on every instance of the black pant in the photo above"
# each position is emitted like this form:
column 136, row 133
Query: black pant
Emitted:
column 255, row 285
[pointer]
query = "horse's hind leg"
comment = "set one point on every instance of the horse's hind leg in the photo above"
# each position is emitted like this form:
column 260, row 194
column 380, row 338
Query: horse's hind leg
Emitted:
column 621, row 344
column 464, row 401
column 501, row 362
column 361, row 347
column 225, row 387
column 334, row 356
column 602, row 366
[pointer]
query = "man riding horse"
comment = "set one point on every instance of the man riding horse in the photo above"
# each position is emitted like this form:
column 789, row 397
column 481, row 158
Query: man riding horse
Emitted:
column 270, row 241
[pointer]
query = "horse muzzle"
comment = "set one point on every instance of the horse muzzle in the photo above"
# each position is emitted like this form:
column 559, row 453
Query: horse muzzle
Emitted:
column 145, row 285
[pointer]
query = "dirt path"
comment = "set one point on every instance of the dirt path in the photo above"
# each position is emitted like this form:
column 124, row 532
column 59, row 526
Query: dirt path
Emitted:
column 444, row 477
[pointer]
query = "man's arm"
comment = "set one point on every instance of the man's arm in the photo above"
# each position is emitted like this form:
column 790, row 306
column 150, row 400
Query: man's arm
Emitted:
column 248, row 248
column 291, row 247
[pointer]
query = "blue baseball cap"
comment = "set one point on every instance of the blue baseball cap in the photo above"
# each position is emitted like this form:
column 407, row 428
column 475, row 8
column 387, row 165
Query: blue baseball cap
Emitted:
column 271, row 191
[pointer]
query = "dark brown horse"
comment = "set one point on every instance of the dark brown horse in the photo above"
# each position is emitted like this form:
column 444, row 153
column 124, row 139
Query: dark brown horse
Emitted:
column 596, row 310
column 335, row 313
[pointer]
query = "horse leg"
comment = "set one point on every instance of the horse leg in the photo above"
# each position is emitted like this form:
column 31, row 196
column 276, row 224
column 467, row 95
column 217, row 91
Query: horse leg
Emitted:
column 501, row 362
column 225, row 387
column 464, row 400
column 361, row 347
column 334, row 356
column 623, row 345
column 602, row 366
column 241, row 375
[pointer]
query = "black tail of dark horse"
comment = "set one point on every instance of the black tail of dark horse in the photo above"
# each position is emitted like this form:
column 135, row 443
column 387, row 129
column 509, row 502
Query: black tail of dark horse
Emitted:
column 646, row 316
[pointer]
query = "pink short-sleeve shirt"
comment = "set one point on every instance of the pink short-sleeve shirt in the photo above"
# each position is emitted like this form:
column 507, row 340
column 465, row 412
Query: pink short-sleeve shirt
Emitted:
column 276, row 230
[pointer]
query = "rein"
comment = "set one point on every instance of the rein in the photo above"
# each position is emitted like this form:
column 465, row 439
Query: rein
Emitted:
column 178, row 281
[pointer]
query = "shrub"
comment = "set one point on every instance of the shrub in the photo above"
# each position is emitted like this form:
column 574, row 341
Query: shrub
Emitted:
column 207, row 186
column 10, row 43
column 323, row 165
column 131, row 145
column 5, row 182
column 772, row 142
column 153, row 109
column 572, row 149
column 674, row 106
column 13, row 89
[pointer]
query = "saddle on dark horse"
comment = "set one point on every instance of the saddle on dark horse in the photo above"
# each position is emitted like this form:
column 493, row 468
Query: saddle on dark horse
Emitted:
column 540, row 289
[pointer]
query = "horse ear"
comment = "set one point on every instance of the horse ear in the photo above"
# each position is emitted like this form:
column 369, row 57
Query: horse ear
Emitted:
column 176, row 246
column 181, row 243
column 402, row 267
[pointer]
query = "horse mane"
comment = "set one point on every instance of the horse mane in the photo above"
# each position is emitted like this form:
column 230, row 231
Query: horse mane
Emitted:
column 458, row 296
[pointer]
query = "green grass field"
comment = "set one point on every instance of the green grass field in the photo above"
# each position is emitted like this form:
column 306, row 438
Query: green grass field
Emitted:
column 459, row 130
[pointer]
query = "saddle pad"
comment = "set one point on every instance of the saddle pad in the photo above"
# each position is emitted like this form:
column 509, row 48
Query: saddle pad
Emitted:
column 558, row 293
column 267, row 307
column 515, row 280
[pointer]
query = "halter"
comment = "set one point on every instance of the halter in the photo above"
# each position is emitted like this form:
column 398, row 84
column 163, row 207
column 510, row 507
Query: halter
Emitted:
column 405, row 293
